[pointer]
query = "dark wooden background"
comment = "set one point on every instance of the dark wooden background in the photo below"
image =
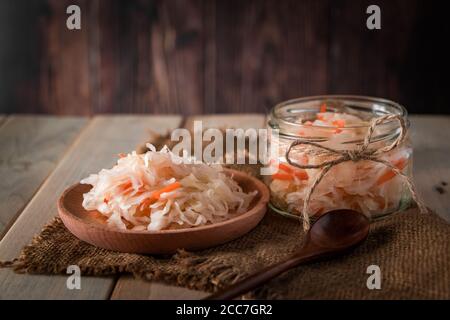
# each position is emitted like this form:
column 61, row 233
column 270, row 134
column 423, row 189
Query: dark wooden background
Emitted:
column 206, row 56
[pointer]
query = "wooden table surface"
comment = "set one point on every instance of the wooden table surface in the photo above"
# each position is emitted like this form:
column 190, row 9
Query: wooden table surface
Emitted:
column 41, row 155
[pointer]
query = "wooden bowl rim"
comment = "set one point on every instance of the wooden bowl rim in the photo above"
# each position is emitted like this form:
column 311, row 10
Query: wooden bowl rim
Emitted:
column 263, row 201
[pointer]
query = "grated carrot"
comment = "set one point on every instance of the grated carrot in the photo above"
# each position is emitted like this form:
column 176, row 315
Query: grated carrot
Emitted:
column 301, row 174
column 157, row 194
column 323, row 108
column 340, row 123
column 290, row 173
column 399, row 164
column 282, row 176
column 285, row 168
column 125, row 186
column 171, row 187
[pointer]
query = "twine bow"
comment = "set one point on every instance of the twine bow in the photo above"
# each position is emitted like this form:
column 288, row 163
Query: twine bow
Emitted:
column 362, row 153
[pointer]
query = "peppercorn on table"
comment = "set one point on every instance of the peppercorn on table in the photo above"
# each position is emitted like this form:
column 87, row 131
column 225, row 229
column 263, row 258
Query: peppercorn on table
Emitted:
column 42, row 155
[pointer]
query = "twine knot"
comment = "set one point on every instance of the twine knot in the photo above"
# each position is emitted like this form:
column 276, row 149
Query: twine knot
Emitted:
column 352, row 155
column 361, row 153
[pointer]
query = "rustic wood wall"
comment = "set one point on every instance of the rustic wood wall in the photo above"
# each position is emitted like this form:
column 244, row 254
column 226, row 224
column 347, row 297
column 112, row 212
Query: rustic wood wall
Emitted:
column 205, row 56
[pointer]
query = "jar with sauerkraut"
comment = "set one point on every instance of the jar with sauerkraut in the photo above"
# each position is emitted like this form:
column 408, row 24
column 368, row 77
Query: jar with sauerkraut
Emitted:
column 328, row 129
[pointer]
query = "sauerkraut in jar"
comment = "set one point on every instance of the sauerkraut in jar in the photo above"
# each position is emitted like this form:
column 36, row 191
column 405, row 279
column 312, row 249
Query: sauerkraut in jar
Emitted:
column 338, row 123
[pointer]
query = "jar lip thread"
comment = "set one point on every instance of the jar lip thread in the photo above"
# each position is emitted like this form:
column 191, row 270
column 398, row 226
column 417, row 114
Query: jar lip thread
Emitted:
column 328, row 98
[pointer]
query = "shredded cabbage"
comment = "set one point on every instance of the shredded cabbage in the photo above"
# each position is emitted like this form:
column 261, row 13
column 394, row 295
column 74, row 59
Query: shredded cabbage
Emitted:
column 365, row 186
column 159, row 190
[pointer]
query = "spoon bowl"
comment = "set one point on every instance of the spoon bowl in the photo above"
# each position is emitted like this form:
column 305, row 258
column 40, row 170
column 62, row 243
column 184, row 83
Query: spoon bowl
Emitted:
column 338, row 229
column 332, row 234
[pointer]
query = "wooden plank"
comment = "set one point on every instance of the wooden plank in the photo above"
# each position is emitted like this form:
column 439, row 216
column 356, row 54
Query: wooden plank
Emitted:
column 352, row 47
column 30, row 148
column 267, row 52
column 126, row 78
column 409, row 72
column 162, row 65
column 430, row 137
column 216, row 56
column 129, row 288
column 20, row 59
column 182, row 28
column 95, row 148
column 67, row 87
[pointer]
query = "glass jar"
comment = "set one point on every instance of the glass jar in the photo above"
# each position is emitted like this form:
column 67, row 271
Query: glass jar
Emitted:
column 339, row 123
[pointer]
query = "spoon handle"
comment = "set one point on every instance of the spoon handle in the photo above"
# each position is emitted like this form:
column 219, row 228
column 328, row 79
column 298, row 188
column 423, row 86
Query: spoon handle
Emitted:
column 257, row 279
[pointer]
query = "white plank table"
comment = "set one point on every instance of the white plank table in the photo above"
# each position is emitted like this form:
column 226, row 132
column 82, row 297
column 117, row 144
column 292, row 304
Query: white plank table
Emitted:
column 50, row 153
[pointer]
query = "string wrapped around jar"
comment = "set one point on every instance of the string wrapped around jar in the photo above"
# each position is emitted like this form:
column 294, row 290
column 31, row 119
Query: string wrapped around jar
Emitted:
column 363, row 153
column 340, row 152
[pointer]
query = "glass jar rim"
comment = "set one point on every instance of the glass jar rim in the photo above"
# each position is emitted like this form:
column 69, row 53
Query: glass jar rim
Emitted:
column 401, row 110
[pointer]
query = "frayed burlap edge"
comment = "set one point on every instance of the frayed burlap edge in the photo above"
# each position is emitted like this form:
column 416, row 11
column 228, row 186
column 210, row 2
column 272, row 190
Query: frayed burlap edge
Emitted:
column 197, row 272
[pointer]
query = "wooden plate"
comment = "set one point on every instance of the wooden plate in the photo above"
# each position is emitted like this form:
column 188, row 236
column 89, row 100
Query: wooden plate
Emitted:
column 90, row 226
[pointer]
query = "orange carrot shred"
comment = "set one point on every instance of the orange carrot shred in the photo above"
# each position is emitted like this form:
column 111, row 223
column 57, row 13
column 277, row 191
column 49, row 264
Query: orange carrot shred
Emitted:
column 290, row 173
column 399, row 164
column 157, row 194
column 126, row 185
column 146, row 203
column 340, row 123
column 323, row 108
column 285, row 168
column 171, row 187
column 122, row 155
column 282, row 176
column 301, row 174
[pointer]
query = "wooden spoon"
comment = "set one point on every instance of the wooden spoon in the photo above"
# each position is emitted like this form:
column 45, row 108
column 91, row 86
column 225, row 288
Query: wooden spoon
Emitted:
column 332, row 234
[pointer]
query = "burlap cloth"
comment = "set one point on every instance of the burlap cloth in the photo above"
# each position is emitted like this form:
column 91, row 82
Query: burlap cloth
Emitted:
column 411, row 249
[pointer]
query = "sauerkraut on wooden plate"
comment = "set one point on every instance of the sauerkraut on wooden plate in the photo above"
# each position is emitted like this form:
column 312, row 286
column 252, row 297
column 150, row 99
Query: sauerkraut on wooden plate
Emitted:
column 159, row 190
